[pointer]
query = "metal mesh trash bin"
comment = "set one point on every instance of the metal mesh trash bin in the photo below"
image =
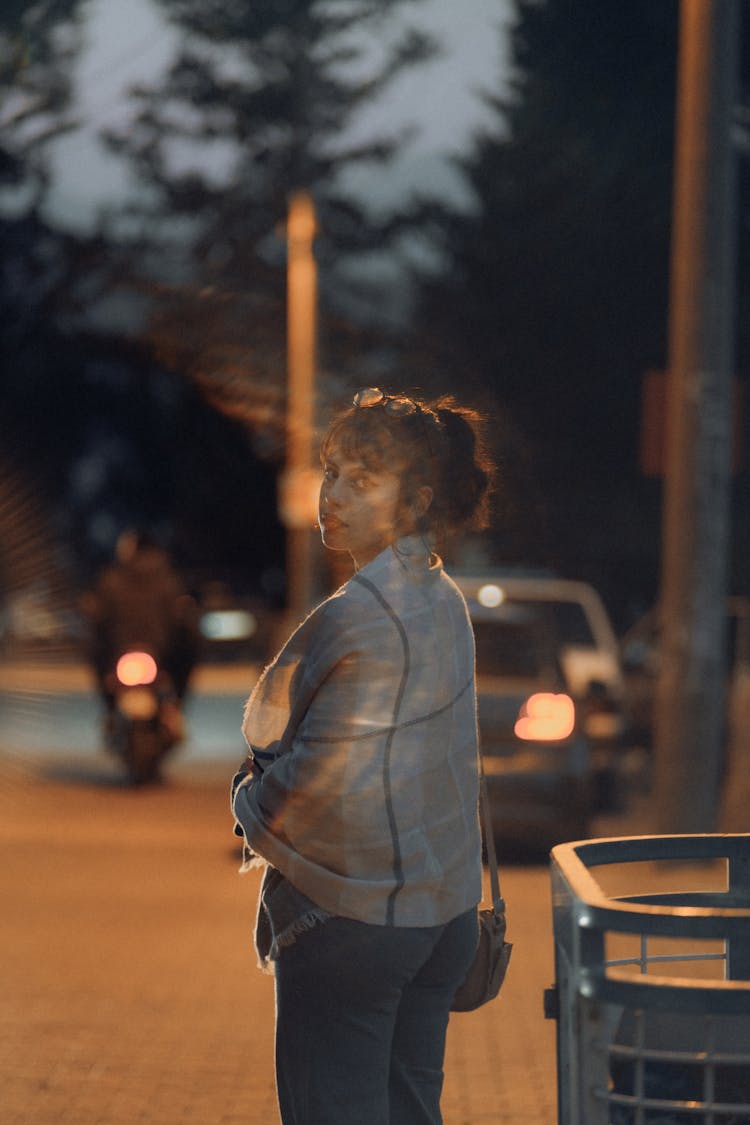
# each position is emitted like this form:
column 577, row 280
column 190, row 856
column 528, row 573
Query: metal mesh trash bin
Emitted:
column 652, row 988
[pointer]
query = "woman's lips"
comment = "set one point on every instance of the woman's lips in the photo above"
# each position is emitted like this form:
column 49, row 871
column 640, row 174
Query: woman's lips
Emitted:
column 329, row 522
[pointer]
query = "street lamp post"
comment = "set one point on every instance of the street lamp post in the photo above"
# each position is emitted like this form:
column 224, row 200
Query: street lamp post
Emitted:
column 689, row 716
column 299, row 482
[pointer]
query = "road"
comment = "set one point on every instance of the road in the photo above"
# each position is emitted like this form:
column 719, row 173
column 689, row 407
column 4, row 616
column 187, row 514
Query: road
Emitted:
column 129, row 986
column 51, row 711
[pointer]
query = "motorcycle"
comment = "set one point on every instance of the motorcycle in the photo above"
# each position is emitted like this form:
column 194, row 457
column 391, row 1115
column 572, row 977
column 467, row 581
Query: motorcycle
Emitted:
column 145, row 722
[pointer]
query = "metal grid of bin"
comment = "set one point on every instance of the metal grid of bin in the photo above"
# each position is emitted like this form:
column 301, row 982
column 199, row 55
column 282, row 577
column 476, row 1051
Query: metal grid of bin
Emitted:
column 652, row 990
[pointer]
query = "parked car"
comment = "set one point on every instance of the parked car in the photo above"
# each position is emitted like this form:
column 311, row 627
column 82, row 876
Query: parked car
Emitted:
column 551, row 700
column 233, row 627
column 640, row 653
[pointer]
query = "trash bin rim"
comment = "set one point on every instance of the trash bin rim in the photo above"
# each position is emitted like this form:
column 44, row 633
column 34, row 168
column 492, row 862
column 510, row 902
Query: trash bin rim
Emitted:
column 574, row 860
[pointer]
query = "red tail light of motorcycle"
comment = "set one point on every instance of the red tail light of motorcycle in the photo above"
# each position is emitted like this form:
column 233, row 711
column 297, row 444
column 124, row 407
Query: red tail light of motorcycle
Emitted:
column 135, row 668
column 546, row 717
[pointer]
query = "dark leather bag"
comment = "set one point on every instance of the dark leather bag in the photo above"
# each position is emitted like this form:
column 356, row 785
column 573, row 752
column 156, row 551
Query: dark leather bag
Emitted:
column 487, row 971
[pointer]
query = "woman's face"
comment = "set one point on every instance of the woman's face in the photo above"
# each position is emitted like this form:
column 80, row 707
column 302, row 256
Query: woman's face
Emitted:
column 359, row 509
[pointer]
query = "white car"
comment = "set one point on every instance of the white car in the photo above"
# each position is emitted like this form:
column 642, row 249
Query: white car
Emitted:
column 551, row 698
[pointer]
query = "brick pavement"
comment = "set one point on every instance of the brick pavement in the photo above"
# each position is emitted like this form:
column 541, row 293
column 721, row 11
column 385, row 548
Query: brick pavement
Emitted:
column 129, row 989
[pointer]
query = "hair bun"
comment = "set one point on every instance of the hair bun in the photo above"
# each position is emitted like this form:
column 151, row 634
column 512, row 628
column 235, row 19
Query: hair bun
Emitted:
column 466, row 470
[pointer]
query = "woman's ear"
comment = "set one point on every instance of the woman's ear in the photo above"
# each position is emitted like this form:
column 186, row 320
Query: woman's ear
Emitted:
column 413, row 509
column 422, row 500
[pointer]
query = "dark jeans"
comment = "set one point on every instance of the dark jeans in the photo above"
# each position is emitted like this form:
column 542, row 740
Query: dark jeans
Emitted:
column 361, row 1017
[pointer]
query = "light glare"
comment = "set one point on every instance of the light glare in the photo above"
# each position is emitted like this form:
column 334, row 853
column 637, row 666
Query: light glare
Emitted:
column 546, row 717
column 136, row 668
column 491, row 596
column 228, row 625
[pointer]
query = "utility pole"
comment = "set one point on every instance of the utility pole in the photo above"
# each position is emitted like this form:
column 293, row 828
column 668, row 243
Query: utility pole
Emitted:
column 695, row 546
column 300, row 481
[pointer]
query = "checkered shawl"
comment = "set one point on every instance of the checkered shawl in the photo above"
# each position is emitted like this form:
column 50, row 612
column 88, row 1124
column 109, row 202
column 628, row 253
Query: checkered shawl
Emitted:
column 365, row 728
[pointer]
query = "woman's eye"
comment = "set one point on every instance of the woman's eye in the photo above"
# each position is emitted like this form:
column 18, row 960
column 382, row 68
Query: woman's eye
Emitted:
column 328, row 474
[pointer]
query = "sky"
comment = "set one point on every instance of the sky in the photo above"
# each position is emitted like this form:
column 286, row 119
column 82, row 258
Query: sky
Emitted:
column 128, row 42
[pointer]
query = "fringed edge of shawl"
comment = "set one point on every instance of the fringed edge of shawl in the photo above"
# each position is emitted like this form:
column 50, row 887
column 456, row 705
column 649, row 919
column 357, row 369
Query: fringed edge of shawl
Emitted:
column 250, row 860
column 288, row 936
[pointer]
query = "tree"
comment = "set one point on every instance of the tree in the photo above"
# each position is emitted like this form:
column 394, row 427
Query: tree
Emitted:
column 555, row 288
column 37, row 45
column 554, row 291
column 91, row 425
column 255, row 107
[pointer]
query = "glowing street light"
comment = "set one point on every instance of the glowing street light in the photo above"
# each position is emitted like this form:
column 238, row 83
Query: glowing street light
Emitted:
column 299, row 483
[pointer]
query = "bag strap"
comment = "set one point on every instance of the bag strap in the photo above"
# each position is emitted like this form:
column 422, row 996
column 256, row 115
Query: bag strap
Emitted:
column 489, row 838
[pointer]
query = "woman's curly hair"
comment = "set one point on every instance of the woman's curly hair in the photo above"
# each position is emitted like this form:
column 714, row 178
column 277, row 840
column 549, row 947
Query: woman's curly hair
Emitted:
column 436, row 444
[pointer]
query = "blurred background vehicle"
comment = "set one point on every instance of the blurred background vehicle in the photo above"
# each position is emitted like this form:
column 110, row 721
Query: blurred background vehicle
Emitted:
column 141, row 602
column 234, row 626
column 144, row 722
column 640, row 654
column 143, row 645
column 552, row 714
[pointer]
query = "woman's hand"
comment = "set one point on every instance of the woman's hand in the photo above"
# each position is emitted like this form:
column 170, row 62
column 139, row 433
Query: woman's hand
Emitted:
column 247, row 775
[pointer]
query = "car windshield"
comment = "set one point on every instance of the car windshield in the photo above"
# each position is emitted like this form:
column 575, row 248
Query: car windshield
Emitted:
column 514, row 649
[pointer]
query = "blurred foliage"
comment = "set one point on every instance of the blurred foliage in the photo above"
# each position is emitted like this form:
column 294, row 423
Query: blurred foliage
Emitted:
column 261, row 95
column 38, row 42
column 254, row 107
column 191, row 279
column 556, row 287
column 37, row 45
column 550, row 304
column 554, row 292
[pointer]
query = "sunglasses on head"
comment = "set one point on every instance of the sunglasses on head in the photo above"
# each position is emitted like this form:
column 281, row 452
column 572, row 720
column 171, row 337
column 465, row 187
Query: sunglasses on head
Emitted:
column 373, row 396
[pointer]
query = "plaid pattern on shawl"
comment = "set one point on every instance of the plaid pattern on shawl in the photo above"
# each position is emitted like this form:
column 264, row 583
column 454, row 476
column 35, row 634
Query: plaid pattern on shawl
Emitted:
column 365, row 727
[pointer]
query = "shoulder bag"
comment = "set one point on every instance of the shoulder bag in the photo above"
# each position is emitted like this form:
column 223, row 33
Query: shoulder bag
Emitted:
column 487, row 971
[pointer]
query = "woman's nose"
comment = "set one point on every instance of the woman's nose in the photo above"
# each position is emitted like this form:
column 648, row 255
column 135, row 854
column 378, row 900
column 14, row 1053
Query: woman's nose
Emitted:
column 332, row 492
column 329, row 493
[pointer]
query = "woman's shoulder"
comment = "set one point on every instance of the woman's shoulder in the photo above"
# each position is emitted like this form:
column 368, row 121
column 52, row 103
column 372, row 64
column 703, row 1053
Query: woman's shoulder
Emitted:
column 338, row 612
column 387, row 581
column 451, row 587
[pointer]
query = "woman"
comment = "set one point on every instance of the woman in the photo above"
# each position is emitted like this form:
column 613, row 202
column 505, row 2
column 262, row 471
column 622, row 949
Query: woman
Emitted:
column 360, row 789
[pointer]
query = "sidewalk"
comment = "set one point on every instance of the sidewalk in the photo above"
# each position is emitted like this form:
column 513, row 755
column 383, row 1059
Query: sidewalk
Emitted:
column 129, row 986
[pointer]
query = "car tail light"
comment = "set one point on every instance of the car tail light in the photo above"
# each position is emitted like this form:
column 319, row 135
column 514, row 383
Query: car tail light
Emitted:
column 136, row 668
column 546, row 717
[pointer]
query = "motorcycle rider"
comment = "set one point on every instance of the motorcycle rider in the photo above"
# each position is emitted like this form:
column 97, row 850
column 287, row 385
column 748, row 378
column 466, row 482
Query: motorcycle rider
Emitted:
column 140, row 601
